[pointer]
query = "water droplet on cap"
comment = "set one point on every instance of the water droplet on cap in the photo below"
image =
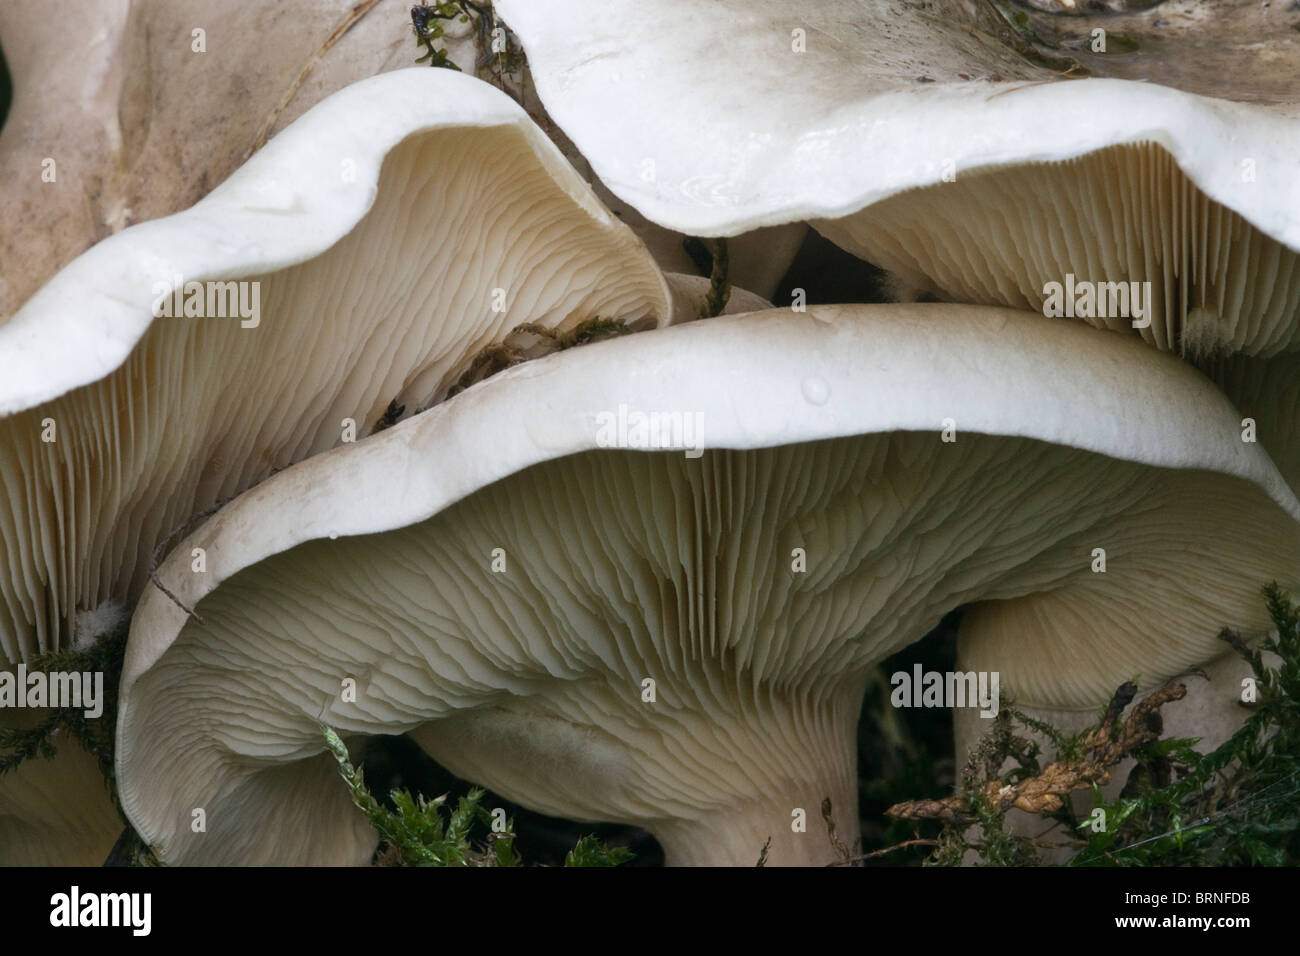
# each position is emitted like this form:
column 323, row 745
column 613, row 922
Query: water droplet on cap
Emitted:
column 815, row 390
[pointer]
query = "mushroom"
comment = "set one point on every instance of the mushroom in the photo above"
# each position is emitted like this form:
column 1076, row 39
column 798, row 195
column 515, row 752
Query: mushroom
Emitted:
column 360, row 262
column 135, row 109
column 758, row 259
column 86, row 98
column 349, row 288
column 855, row 114
column 607, row 631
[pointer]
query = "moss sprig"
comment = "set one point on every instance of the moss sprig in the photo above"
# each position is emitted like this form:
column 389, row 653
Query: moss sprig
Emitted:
column 415, row 831
column 1238, row 805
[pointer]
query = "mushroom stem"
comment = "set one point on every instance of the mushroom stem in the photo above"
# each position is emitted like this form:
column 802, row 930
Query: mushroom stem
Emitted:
column 796, row 785
column 735, row 836
column 710, row 782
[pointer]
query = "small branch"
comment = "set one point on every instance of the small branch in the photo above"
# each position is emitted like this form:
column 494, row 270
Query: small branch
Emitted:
column 153, row 576
column 836, row 842
column 889, row 849
column 348, row 22
column 1098, row 750
column 166, row 542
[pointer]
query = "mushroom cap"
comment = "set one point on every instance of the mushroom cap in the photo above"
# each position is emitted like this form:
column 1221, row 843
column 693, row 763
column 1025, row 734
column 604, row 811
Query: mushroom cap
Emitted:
column 390, row 234
column 374, row 562
column 375, row 231
column 140, row 124
column 1105, row 179
column 758, row 259
column 874, row 105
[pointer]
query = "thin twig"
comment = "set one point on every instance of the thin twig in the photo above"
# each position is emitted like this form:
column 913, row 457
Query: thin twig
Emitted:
column 170, row 538
column 836, row 842
column 359, row 11
column 1046, row 792
column 889, row 849
column 1018, row 49
column 719, row 282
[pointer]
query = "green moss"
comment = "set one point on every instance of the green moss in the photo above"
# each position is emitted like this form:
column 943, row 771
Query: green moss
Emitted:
column 593, row 330
column 97, row 735
column 429, row 22
column 1236, row 806
column 414, row 831
column 591, row 852
column 1125, row 42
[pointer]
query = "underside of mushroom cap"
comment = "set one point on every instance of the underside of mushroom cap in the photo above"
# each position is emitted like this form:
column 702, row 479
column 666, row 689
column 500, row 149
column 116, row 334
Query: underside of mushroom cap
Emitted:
column 54, row 811
column 374, row 247
column 1098, row 227
column 1032, row 641
column 1267, row 391
column 927, row 147
column 621, row 564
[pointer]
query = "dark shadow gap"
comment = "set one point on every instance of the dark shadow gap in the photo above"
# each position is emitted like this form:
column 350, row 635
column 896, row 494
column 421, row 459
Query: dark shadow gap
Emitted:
column 397, row 762
column 905, row 753
column 6, row 88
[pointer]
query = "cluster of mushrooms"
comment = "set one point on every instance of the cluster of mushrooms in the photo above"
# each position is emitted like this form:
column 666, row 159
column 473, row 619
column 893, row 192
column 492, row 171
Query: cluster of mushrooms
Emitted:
column 623, row 632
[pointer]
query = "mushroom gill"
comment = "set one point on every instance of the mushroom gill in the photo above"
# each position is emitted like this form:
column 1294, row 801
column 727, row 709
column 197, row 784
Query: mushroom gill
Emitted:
column 500, row 577
column 362, row 286
column 349, row 271
column 1115, row 217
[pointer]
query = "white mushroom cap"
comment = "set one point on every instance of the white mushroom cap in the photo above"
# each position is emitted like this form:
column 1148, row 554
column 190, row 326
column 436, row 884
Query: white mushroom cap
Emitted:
column 758, row 259
column 390, row 234
column 373, row 562
column 141, row 116
column 709, row 120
